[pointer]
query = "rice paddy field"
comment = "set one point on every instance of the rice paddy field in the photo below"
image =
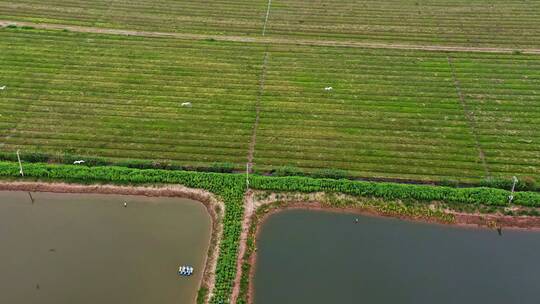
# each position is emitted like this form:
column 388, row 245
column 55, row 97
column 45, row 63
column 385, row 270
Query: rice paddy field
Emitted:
column 390, row 113
column 513, row 24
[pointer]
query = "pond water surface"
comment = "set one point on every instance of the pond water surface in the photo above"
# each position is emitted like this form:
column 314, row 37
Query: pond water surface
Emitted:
column 321, row 257
column 73, row 248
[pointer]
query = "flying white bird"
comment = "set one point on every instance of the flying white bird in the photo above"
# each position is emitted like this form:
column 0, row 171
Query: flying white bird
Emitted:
column 328, row 89
column 78, row 162
column 2, row 87
column 186, row 104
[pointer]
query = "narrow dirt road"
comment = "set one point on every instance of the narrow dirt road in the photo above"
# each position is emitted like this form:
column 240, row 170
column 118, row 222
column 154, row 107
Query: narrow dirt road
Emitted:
column 271, row 40
column 250, row 206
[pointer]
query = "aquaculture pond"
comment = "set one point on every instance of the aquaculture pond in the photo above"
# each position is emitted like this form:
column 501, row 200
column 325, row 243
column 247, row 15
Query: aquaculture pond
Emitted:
column 73, row 248
column 321, row 257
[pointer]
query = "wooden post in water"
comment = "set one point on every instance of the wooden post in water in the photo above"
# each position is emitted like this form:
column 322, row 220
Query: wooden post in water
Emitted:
column 31, row 198
column 20, row 164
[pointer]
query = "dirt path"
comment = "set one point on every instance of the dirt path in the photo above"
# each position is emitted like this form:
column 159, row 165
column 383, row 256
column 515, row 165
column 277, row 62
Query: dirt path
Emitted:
column 271, row 40
column 250, row 206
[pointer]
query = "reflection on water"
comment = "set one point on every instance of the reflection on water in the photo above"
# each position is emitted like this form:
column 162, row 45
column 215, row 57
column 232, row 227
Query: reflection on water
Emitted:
column 319, row 257
column 72, row 248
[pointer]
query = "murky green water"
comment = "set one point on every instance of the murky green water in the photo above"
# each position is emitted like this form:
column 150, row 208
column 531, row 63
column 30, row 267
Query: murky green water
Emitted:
column 71, row 248
column 319, row 257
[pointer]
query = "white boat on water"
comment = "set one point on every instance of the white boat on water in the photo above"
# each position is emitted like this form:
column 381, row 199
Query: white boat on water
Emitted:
column 185, row 271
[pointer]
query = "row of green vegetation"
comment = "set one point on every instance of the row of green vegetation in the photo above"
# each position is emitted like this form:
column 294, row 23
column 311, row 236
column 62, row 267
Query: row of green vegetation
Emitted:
column 523, row 184
column 92, row 161
column 231, row 188
column 392, row 114
column 452, row 22
column 392, row 191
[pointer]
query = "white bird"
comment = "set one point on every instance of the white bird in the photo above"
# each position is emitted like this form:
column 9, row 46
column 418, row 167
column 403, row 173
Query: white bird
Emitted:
column 78, row 162
column 125, row 204
column 328, row 88
column 2, row 87
column 186, row 104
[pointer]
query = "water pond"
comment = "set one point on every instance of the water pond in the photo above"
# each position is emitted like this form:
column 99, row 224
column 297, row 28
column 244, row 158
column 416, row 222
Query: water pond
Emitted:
column 73, row 248
column 321, row 257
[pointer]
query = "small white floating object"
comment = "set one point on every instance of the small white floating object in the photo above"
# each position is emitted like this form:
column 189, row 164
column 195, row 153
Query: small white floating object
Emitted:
column 125, row 204
column 328, row 89
column 186, row 104
column 2, row 87
column 78, row 162
column 185, row 270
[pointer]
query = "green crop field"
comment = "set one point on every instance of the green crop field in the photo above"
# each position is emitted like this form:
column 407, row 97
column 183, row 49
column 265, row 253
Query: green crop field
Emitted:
column 398, row 113
column 121, row 97
column 450, row 22
column 238, row 17
column 514, row 24
column 391, row 113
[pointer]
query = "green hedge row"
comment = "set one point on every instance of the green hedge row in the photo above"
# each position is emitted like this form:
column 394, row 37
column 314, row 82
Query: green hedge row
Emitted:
column 393, row 191
column 229, row 187
column 525, row 183
column 91, row 161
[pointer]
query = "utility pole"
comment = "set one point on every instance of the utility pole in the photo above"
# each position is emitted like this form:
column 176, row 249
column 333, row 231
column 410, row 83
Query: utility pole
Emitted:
column 511, row 197
column 20, row 164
